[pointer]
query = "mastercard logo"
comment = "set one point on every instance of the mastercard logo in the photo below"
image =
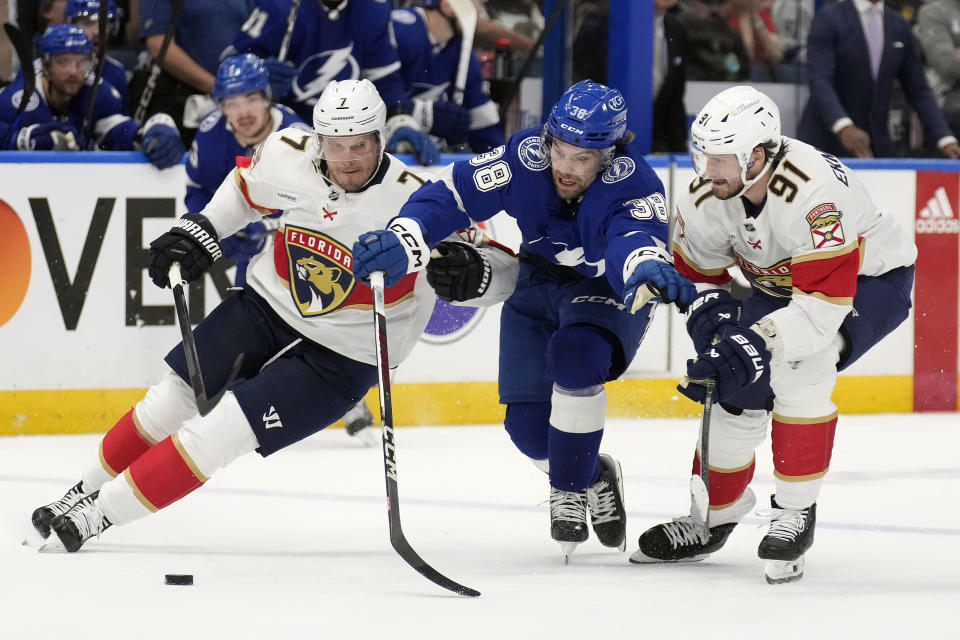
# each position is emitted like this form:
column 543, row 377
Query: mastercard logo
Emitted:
column 15, row 250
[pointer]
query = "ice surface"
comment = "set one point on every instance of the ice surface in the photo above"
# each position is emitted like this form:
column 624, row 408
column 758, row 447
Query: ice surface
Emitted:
column 295, row 546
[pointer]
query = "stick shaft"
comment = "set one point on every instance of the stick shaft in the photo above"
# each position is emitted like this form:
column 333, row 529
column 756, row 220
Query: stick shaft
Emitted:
column 146, row 96
column 288, row 34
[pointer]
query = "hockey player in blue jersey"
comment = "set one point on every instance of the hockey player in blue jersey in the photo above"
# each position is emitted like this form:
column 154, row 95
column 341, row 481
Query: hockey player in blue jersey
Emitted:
column 84, row 14
column 245, row 118
column 334, row 40
column 55, row 112
column 428, row 43
column 593, row 220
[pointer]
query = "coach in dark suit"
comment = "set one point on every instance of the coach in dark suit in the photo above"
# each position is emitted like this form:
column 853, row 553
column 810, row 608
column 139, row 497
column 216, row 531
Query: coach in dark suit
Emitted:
column 855, row 50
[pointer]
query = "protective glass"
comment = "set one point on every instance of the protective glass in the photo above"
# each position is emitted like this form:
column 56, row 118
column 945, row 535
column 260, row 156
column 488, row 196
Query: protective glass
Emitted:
column 569, row 159
column 253, row 101
column 349, row 148
column 714, row 166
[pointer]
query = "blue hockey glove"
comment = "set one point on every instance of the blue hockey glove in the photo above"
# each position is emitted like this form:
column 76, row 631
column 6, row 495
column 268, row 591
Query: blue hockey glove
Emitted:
column 713, row 313
column 450, row 122
column 192, row 242
column 163, row 147
column 281, row 76
column 246, row 243
column 424, row 148
column 399, row 249
column 48, row 136
column 665, row 281
column 734, row 362
column 379, row 251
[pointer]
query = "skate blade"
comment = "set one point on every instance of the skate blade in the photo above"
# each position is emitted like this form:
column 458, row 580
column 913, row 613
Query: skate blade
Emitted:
column 783, row 571
column 368, row 436
column 567, row 549
column 52, row 545
column 639, row 557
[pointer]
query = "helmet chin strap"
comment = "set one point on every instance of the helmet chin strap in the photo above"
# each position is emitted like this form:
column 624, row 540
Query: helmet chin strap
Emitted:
column 749, row 183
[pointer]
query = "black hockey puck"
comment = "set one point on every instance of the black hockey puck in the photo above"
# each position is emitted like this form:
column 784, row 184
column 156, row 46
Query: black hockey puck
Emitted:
column 173, row 578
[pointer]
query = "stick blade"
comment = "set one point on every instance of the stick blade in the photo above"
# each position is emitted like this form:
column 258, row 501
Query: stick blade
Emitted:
column 411, row 557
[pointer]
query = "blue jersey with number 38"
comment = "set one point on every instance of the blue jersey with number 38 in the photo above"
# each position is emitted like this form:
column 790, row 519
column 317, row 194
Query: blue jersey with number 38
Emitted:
column 622, row 210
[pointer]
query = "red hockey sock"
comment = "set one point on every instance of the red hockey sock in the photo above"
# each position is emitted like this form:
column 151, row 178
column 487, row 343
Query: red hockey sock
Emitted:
column 726, row 485
column 802, row 447
column 123, row 444
column 164, row 474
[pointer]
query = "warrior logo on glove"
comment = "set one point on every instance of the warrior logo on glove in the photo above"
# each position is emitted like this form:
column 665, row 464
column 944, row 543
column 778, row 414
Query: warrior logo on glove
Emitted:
column 319, row 271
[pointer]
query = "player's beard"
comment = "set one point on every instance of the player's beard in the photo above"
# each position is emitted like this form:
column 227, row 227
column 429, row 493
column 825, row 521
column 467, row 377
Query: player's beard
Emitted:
column 726, row 189
column 571, row 185
column 353, row 174
column 254, row 137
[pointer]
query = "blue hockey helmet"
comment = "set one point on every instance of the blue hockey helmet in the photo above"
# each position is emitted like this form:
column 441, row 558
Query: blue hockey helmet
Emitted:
column 89, row 9
column 241, row 74
column 64, row 38
column 590, row 115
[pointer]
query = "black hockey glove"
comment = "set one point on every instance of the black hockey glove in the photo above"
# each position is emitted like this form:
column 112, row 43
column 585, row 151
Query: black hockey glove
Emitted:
column 458, row 272
column 192, row 242
column 712, row 315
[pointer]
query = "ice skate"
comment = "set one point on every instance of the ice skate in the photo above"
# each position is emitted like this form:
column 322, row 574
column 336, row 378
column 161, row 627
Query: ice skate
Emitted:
column 43, row 515
column 605, row 500
column 787, row 540
column 568, row 519
column 82, row 522
column 358, row 422
column 685, row 540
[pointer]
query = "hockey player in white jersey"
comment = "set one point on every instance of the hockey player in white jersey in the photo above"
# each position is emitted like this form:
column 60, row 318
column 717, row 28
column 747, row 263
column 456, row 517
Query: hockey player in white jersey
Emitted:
column 302, row 322
column 831, row 274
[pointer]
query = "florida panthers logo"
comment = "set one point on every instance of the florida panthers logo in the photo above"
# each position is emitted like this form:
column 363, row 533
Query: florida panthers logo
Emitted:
column 776, row 280
column 320, row 271
column 318, row 70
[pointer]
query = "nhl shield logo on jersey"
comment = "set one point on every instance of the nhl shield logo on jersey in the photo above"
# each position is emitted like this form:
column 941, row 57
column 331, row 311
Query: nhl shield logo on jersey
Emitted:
column 621, row 169
column 320, row 271
column 825, row 227
column 531, row 154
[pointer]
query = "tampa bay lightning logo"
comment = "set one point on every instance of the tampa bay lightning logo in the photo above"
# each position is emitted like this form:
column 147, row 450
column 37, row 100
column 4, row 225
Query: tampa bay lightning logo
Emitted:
column 17, row 98
column 318, row 70
column 621, row 169
column 532, row 155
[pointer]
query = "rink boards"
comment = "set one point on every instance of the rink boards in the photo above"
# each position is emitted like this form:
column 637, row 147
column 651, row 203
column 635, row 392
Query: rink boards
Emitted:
column 83, row 331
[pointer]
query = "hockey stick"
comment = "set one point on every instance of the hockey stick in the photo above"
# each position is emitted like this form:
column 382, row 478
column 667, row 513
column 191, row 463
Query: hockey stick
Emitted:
column 466, row 14
column 645, row 293
column 146, row 96
column 204, row 404
column 288, row 34
column 700, row 485
column 101, row 59
column 397, row 539
column 22, row 48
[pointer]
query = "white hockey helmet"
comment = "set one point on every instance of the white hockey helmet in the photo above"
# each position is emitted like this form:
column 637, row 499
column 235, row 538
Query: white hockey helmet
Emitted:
column 733, row 123
column 350, row 108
